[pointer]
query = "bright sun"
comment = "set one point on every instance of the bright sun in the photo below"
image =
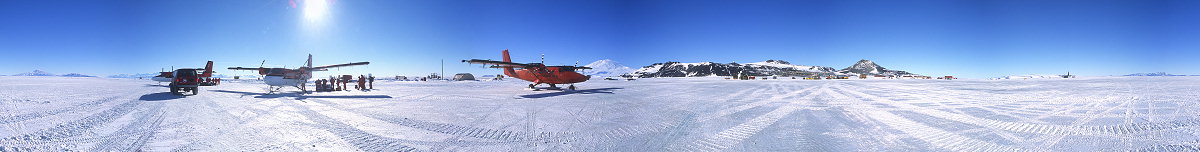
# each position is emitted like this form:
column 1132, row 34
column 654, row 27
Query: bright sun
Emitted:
column 316, row 10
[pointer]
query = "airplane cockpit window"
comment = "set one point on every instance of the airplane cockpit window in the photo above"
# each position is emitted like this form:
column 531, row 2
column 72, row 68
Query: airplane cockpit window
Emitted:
column 276, row 72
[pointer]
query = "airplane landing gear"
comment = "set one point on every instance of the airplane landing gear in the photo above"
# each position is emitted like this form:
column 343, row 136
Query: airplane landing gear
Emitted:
column 571, row 87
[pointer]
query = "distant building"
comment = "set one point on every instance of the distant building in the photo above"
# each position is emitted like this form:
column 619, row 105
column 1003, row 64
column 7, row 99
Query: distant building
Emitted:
column 463, row 77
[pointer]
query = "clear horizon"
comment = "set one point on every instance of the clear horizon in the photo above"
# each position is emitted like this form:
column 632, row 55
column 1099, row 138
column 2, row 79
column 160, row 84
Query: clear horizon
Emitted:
column 971, row 39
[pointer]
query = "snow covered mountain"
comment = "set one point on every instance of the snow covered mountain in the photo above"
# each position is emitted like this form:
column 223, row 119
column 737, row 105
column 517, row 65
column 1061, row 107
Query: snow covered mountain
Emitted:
column 606, row 68
column 142, row 75
column 35, row 73
column 869, row 67
column 765, row 68
column 75, row 75
column 1030, row 76
column 44, row 73
column 1154, row 74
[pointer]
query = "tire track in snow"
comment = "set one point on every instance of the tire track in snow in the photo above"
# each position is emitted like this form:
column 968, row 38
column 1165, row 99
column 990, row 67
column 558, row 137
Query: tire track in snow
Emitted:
column 733, row 136
column 81, row 126
column 360, row 139
column 136, row 127
column 1110, row 130
column 967, row 119
column 934, row 136
column 744, row 107
column 476, row 132
column 35, row 115
column 135, row 135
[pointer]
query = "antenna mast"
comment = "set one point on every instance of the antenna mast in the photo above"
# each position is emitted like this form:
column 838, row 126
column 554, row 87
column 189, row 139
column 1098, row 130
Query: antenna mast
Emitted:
column 443, row 73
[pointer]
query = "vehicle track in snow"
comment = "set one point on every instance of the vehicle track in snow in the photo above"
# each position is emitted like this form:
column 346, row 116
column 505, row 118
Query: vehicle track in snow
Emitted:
column 362, row 140
column 934, row 136
column 136, row 134
column 460, row 130
column 141, row 129
column 81, row 126
column 35, row 115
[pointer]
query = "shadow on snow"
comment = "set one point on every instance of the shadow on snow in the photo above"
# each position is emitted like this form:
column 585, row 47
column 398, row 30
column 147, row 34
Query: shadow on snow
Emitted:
column 298, row 95
column 159, row 96
column 588, row 91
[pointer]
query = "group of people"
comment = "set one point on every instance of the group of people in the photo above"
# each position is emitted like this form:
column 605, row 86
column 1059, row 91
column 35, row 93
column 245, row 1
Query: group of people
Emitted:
column 340, row 84
column 211, row 81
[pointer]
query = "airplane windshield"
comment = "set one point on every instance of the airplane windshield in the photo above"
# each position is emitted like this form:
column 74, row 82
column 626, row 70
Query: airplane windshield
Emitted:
column 276, row 72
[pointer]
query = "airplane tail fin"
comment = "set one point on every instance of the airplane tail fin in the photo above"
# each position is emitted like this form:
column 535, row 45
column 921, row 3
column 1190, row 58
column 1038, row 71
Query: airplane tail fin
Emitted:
column 207, row 69
column 508, row 70
column 309, row 62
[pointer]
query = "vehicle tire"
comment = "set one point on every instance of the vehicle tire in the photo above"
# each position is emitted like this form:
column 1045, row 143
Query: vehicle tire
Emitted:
column 195, row 91
column 531, row 86
column 572, row 87
column 552, row 86
column 174, row 90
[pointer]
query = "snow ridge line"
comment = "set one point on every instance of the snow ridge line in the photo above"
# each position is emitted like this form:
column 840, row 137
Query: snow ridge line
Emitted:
column 23, row 117
column 743, row 107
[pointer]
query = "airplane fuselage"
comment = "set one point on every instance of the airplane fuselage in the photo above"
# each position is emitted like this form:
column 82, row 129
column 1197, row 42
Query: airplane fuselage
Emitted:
column 279, row 81
column 549, row 75
column 161, row 79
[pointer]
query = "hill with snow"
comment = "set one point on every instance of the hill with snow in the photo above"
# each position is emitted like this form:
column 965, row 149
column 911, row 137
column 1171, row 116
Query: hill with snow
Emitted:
column 765, row 68
column 75, row 75
column 870, row 68
column 35, row 73
column 606, row 68
column 1030, row 76
column 44, row 73
column 1156, row 74
column 142, row 75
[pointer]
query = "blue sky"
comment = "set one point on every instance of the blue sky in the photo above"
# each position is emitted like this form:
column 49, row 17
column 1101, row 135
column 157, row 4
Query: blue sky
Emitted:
column 977, row 39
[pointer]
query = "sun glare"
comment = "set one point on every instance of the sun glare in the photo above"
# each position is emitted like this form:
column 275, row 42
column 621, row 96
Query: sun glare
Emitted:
column 316, row 10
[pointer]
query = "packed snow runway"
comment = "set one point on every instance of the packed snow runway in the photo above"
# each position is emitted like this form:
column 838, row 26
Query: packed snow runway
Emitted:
column 661, row 114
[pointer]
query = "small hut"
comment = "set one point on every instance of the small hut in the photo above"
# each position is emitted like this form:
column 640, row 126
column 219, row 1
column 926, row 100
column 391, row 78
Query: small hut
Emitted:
column 463, row 77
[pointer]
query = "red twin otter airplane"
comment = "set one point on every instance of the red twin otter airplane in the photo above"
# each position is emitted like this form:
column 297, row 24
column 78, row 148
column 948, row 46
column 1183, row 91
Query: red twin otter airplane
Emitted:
column 537, row 73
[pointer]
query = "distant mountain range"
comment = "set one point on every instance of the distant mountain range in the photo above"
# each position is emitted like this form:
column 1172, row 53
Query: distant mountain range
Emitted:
column 143, row 75
column 765, row 68
column 44, row 73
column 1156, row 74
column 150, row 75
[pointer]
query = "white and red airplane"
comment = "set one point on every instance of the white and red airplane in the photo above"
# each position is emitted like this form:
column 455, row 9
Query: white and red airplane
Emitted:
column 168, row 76
column 277, row 78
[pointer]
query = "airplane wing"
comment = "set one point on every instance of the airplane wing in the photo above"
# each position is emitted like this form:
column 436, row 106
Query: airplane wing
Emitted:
column 323, row 68
column 572, row 68
column 498, row 64
column 241, row 68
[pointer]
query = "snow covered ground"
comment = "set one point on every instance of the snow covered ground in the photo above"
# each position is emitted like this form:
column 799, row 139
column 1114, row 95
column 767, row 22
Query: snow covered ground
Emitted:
column 654, row 114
